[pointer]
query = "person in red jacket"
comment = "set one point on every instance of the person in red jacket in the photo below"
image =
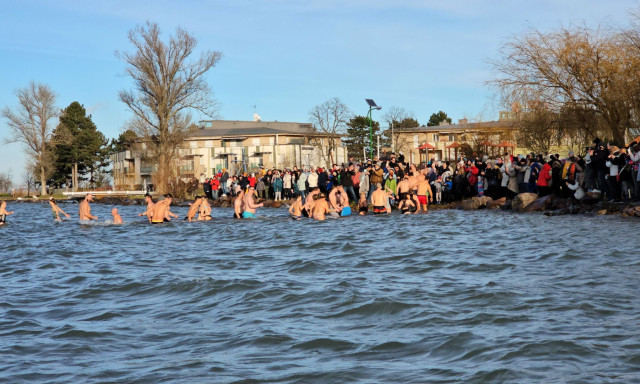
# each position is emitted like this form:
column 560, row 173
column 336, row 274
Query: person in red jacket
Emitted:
column 544, row 178
column 252, row 180
column 472, row 176
column 215, row 185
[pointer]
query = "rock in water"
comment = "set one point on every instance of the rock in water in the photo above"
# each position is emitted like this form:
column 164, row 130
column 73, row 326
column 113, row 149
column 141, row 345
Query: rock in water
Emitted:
column 497, row 203
column 540, row 204
column 476, row 203
column 591, row 197
column 522, row 200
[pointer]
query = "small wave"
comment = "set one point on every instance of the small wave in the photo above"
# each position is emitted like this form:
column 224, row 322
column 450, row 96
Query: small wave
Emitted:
column 377, row 307
column 326, row 344
column 559, row 349
column 103, row 317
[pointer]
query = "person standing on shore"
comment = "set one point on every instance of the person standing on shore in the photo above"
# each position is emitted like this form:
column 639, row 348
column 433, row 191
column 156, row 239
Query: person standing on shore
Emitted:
column 85, row 209
column 4, row 213
column 56, row 210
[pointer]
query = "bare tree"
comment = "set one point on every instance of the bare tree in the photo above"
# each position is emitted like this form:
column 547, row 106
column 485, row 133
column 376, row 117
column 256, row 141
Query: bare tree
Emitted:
column 398, row 120
column 29, row 122
column 579, row 69
column 329, row 120
column 5, row 182
column 167, row 87
column 29, row 178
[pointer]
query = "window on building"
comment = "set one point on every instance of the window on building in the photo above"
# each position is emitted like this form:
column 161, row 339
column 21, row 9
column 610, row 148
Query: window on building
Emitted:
column 452, row 137
column 436, row 137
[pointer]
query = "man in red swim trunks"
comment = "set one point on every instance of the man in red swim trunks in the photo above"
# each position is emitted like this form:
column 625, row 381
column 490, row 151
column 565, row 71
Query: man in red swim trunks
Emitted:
column 379, row 200
column 424, row 192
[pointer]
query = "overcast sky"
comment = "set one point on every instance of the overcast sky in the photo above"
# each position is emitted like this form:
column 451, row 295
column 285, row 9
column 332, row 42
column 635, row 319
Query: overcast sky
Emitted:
column 283, row 56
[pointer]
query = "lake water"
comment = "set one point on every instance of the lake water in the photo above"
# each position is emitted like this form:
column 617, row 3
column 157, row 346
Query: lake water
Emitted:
column 453, row 296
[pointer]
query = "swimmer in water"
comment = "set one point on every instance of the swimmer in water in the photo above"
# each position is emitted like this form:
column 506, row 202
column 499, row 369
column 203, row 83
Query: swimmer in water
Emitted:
column 321, row 207
column 335, row 202
column 56, row 210
column 195, row 207
column 4, row 213
column 249, row 204
column 238, row 205
column 296, row 208
column 205, row 210
column 310, row 202
column 379, row 200
column 424, row 193
column 149, row 211
column 85, row 209
column 407, row 206
column 363, row 204
column 161, row 211
column 116, row 217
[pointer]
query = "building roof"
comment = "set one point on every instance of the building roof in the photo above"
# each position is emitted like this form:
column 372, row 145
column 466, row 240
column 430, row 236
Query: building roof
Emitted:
column 460, row 127
column 232, row 128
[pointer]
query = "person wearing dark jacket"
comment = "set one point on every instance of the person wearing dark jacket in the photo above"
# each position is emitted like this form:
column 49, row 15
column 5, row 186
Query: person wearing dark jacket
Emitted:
column 206, row 186
column 323, row 180
column 346, row 179
column 598, row 162
column 223, row 181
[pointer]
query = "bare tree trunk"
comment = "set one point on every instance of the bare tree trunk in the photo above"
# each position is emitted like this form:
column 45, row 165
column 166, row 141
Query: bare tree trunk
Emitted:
column 43, row 181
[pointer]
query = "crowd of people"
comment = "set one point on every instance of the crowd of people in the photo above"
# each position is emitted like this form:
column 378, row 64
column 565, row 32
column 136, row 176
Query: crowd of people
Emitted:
column 603, row 168
column 379, row 185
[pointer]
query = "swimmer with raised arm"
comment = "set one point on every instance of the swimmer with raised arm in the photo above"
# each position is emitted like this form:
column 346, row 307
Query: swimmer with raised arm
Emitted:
column 85, row 209
column 149, row 211
column 56, row 211
column 195, row 206
column 4, row 213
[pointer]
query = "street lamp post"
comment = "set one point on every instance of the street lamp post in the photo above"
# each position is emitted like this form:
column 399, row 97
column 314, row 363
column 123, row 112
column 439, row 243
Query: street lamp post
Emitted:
column 393, row 140
column 372, row 106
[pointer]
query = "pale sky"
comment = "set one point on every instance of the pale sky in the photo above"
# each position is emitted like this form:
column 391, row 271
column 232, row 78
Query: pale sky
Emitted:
column 283, row 56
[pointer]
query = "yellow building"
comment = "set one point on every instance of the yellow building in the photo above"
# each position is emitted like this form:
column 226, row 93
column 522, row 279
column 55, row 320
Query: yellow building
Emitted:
column 448, row 141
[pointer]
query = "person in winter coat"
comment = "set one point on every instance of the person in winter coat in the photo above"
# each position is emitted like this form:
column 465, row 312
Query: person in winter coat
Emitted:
column 276, row 183
column 544, row 178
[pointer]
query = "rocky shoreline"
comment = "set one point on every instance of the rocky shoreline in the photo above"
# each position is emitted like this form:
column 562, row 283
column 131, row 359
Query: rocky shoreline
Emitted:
column 552, row 206
column 549, row 205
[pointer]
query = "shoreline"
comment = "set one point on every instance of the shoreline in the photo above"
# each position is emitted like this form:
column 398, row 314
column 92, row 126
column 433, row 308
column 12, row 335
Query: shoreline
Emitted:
column 523, row 203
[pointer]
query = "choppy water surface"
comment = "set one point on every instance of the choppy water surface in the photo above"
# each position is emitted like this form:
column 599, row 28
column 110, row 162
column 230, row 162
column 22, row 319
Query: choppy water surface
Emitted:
column 444, row 298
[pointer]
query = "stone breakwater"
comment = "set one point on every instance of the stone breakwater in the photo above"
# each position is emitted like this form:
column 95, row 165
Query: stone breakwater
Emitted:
column 551, row 205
